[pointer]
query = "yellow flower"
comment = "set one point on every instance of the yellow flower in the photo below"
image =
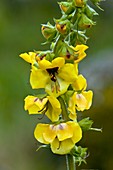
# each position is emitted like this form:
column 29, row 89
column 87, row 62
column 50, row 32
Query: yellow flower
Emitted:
column 61, row 137
column 80, row 52
column 74, row 54
column 49, row 106
column 81, row 99
column 54, row 76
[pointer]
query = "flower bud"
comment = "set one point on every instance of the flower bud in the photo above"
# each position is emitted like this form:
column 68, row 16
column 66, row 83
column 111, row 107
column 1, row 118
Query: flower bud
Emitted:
column 48, row 31
column 85, row 22
column 63, row 26
column 66, row 7
column 80, row 3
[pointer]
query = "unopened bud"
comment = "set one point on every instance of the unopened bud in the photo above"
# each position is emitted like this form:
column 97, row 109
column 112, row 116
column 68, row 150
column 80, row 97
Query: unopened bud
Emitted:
column 85, row 22
column 48, row 31
column 80, row 3
column 67, row 7
column 63, row 26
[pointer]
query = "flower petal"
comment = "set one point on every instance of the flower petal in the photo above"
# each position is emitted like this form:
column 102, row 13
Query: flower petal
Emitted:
column 81, row 101
column 80, row 83
column 68, row 72
column 71, row 108
column 54, row 109
column 44, row 64
column 88, row 95
column 39, row 131
column 30, row 58
column 39, row 78
column 63, row 147
column 58, row 62
column 34, row 105
column 64, row 131
column 77, row 132
column 84, row 100
column 80, row 51
column 50, row 133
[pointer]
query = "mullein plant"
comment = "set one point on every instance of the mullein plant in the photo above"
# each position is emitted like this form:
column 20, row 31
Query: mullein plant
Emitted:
column 61, row 91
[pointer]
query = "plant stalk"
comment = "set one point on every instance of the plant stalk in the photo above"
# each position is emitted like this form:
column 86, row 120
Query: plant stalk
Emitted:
column 70, row 162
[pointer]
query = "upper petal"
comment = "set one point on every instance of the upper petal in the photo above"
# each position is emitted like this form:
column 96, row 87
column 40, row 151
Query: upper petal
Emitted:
column 30, row 58
column 68, row 72
column 64, row 131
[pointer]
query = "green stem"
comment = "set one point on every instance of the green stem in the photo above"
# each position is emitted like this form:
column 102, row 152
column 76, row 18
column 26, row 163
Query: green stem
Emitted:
column 70, row 161
column 64, row 109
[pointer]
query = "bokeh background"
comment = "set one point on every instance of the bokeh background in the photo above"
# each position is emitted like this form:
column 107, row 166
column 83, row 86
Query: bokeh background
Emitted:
column 20, row 22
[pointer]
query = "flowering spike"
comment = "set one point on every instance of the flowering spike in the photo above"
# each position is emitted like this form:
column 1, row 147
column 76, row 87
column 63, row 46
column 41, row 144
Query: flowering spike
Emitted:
column 60, row 89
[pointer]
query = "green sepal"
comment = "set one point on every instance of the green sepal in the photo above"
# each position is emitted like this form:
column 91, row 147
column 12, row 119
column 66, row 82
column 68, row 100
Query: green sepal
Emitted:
column 60, row 49
column 49, row 31
column 80, row 154
column 36, row 64
column 42, row 146
column 77, row 37
column 48, row 55
column 96, row 3
column 85, row 124
column 40, row 93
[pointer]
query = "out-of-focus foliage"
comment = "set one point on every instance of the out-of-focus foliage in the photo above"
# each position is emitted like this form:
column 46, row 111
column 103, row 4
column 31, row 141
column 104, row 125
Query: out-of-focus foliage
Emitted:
column 20, row 22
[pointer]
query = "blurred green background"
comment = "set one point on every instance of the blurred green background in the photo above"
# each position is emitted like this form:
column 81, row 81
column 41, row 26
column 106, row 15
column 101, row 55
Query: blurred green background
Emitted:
column 20, row 22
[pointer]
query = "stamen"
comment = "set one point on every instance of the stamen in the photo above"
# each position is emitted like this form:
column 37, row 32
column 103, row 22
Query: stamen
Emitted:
column 52, row 72
column 59, row 145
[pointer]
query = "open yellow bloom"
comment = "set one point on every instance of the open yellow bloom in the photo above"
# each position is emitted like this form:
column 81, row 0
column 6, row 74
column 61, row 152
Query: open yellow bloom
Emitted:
column 77, row 55
column 81, row 99
column 49, row 106
column 61, row 137
column 54, row 76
